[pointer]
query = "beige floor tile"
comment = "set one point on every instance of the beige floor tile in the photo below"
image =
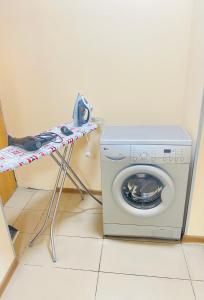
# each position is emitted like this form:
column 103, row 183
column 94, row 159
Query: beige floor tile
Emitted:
column 28, row 220
column 72, row 252
column 39, row 201
column 121, row 287
column 40, row 283
column 79, row 224
column 21, row 243
column 11, row 214
column 41, row 222
column 73, row 203
column 152, row 259
column 20, row 198
column 198, row 287
column 195, row 260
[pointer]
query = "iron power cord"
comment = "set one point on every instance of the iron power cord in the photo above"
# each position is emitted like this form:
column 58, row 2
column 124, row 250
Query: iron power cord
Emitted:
column 33, row 143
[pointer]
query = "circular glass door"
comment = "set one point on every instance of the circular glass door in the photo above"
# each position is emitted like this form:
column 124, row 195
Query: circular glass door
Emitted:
column 143, row 190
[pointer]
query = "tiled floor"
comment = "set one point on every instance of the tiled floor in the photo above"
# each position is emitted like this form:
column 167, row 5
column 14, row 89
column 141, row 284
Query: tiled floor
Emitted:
column 89, row 267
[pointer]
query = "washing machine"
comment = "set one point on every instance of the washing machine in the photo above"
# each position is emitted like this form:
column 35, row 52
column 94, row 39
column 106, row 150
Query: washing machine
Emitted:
column 144, row 171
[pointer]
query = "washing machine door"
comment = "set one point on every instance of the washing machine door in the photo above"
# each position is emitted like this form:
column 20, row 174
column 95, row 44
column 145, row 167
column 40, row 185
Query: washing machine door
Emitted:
column 143, row 190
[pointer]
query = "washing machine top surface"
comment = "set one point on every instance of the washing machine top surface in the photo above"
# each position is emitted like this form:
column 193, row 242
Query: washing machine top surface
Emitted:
column 146, row 135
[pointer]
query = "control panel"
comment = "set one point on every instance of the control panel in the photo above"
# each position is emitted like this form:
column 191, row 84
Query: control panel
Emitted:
column 160, row 154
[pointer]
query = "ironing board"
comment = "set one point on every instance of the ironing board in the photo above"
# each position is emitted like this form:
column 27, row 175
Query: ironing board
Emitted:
column 13, row 157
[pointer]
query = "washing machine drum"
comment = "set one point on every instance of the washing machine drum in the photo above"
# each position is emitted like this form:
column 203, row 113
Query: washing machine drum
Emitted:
column 143, row 190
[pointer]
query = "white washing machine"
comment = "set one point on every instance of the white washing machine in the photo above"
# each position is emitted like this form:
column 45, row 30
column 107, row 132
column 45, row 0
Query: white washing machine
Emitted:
column 144, row 180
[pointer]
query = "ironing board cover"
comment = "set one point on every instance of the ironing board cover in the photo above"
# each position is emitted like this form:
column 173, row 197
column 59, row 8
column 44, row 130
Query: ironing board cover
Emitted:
column 13, row 157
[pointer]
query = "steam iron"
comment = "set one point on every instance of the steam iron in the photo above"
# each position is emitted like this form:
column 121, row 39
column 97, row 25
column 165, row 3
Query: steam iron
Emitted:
column 82, row 111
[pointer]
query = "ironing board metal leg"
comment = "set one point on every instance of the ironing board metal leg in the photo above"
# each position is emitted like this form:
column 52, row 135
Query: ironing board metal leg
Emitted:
column 51, row 203
column 57, row 204
column 77, row 178
column 70, row 177
column 53, row 219
column 64, row 171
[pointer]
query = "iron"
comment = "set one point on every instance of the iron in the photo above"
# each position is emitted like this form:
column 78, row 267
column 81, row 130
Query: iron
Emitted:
column 82, row 111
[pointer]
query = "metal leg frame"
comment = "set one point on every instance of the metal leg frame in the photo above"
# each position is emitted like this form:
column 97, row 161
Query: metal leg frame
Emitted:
column 62, row 173
column 77, row 178
column 69, row 176
column 51, row 202
column 64, row 170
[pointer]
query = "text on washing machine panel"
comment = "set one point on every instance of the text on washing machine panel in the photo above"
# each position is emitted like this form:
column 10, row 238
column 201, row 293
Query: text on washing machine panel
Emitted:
column 160, row 154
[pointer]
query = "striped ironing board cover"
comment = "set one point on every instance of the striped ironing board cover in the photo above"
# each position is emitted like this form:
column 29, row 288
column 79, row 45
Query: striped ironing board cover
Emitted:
column 13, row 157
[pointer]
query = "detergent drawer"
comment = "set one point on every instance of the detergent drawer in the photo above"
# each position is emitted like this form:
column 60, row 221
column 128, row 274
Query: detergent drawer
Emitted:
column 115, row 153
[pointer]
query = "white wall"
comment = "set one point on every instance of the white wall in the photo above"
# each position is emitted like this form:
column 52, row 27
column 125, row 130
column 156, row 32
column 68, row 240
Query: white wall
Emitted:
column 191, row 117
column 129, row 58
column 195, row 72
column 196, row 220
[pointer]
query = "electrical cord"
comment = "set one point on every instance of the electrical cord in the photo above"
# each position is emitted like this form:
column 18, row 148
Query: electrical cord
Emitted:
column 33, row 143
column 49, row 136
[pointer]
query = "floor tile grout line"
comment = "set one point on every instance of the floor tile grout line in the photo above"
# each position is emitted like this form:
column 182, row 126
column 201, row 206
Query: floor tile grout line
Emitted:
column 63, row 235
column 70, row 236
column 59, row 267
column 66, row 211
column 117, row 273
column 7, row 219
column 31, row 196
column 199, row 280
column 33, row 193
column 63, row 211
column 33, row 232
column 78, row 269
column 79, row 212
column 104, row 272
column 91, row 237
column 99, row 265
column 188, row 270
column 145, row 275
column 47, row 235
column 100, row 238
column 81, row 237
column 95, row 237
column 40, row 219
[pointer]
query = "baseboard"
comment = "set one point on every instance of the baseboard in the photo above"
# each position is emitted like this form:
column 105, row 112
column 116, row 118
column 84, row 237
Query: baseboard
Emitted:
column 192, row 239
column 8, row 275
column 75, row 191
